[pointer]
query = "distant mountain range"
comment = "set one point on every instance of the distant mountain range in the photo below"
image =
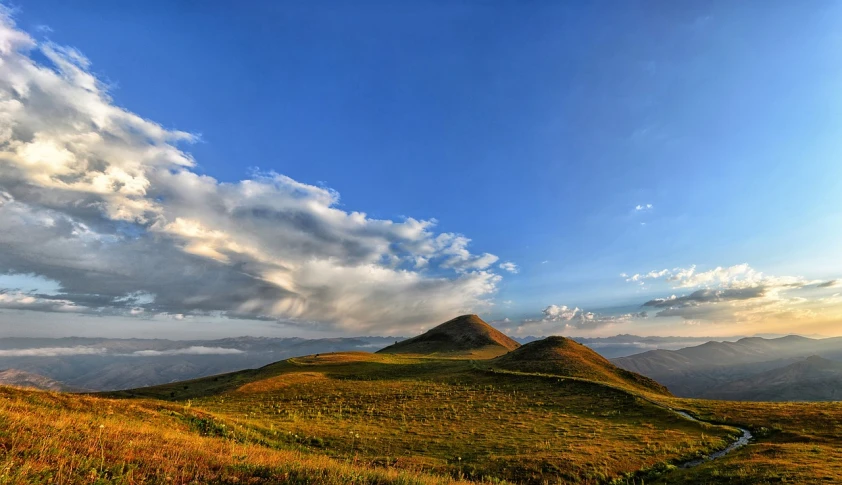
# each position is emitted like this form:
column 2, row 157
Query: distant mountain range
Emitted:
column 105, row 364
column 812, row 379
column 102, row 364
column 778, row 369
column 625, row 344
column 757, row 369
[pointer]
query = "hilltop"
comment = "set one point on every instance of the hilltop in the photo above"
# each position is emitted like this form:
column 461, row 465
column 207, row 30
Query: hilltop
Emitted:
column 463, row 336
column 566, row 357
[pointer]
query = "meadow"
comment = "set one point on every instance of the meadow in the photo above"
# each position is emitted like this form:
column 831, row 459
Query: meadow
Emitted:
column 373, row 418
column 795, row 442
column 449, row 417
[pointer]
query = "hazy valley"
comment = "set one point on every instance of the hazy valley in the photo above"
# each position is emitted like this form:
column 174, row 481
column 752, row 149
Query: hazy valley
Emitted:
column 461, row 402
column 789, row 368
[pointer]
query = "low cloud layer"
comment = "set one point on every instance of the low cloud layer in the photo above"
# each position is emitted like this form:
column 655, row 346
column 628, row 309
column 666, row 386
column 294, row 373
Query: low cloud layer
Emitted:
column 738, row 294
column 561, row 319
column 108, row 205
column 195, row 350
column 52, row 352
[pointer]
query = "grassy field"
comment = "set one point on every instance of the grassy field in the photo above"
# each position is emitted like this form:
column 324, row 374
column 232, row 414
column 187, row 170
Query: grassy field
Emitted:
column 449, row 417
column 52, row 438
column 795, row 443
column 376, row 418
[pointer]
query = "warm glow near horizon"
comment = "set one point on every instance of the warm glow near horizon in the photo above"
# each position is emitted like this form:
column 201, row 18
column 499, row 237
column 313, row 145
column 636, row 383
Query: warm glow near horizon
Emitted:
column 311, row 176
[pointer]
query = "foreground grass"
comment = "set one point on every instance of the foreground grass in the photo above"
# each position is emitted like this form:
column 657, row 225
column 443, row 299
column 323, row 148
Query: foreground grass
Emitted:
column 794, row 443
column 63, row 438
column 363, row 418
column 449, row 417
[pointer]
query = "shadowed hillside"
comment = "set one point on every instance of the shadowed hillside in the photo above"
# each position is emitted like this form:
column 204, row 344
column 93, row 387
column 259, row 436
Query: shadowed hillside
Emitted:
column 721, row 369
column 19, row 378
column 566, row 357
column 813, row 379
column 464, row 336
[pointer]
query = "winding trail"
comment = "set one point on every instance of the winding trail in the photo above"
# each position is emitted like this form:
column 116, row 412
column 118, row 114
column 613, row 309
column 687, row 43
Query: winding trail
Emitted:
column 738, row 443
column 743, row 440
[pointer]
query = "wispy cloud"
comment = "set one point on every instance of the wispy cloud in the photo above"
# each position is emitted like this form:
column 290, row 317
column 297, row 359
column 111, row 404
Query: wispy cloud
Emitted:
column 195, row 350
column 110, row 205
column 509, row 266
column 643, row 207
column 557, row 319
column 52, row 352
column 736, row 293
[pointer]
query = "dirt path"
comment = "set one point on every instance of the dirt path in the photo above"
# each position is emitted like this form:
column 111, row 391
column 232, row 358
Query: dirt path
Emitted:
column 738, row 443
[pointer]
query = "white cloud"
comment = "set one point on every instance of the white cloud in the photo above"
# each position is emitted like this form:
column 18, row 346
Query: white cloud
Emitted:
column 649, row 275
column 194, row 350
column 643, row 207
column 509, row 266
column 561, row 318
column 737, row 276
column 108, row 204
column 736, row 293
column 52, row 352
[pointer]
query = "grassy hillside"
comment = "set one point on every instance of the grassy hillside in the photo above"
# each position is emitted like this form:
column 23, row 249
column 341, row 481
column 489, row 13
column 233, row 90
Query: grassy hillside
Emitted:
column 466, row 336
column 64, row 438
column 373, row 418
column 449, row 417
column 795, row 443
column 551, row 411
column 566, row 357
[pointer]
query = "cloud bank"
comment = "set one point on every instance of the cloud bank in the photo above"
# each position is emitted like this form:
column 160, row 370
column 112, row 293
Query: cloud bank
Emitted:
column 109, row 205
column 195, row 350
column 52, row 352
column 561, row 319
column 738, row 294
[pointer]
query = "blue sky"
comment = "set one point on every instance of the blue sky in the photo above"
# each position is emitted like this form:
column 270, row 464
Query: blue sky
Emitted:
column 536, row 131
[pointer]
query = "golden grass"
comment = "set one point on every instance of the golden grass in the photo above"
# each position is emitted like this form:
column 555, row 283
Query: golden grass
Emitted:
column 795, row 443
column 366, row 418
column 451, row 418
column 63, row 438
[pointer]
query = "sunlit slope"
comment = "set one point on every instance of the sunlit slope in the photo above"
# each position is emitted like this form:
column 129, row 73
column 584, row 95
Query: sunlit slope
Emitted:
column 69, row 438
column 464, row 336
column 371, row 417
column 450, row 417
column 794, row 443
column 565, row 357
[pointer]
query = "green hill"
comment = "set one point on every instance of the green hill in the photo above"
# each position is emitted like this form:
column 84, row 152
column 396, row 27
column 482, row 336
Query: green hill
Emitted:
column 565, row 357
column 463, row 336
column 411, row 418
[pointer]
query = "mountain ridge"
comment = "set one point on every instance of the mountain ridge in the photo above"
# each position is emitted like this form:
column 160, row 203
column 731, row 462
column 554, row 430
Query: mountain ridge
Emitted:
column 700, row 370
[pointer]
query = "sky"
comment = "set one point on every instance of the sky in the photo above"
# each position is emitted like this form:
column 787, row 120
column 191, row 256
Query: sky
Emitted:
column 191, row 170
